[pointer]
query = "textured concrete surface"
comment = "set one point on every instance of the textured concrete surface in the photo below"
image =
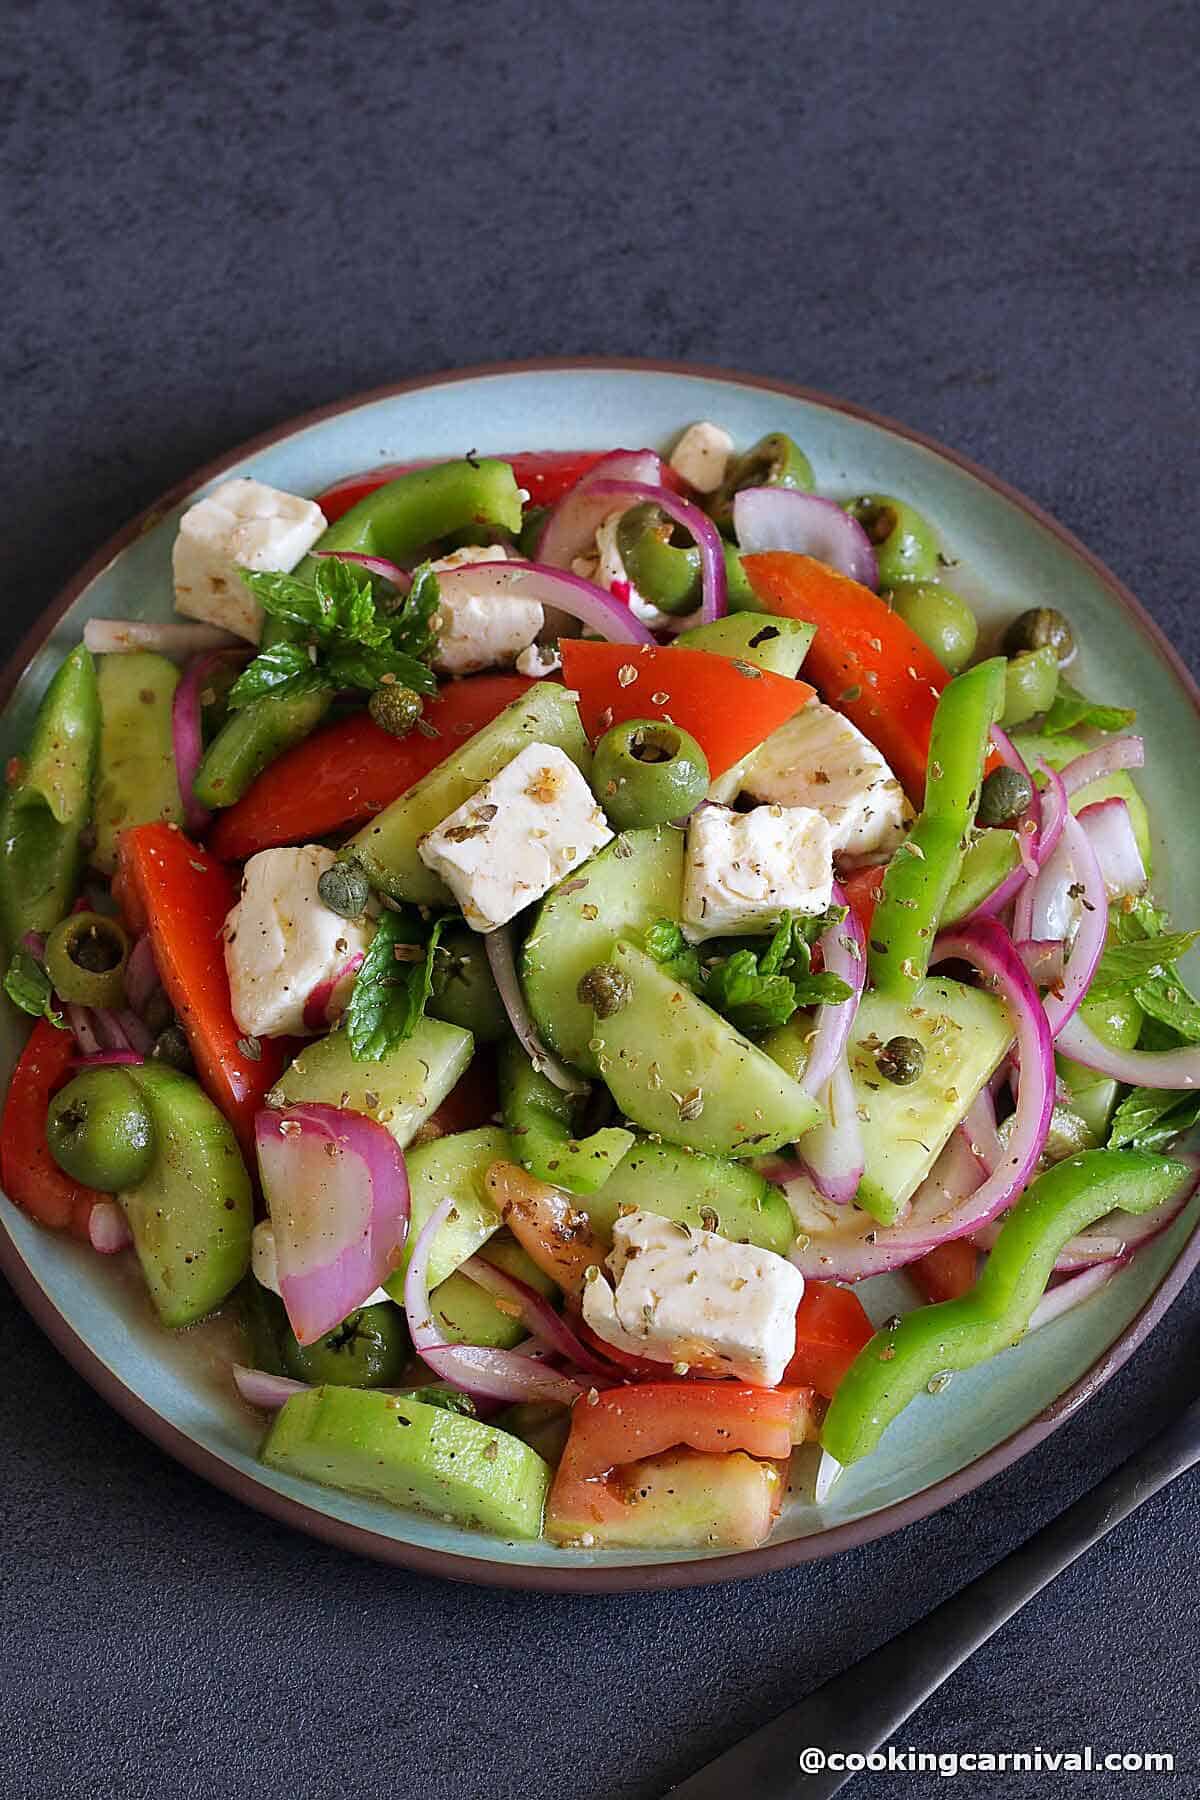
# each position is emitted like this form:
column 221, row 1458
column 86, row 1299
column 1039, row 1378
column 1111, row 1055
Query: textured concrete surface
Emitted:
column 974, row 218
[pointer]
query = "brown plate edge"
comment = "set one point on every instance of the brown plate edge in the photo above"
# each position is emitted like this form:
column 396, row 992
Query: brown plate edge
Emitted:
column 445, row 1564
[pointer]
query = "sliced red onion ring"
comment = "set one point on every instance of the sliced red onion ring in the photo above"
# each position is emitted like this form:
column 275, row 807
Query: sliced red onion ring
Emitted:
column 337, row 1191
column 109, row 1059
column 79, row 1018
column 267, row 1392
column 594, row 606
column 1067, row 1294
column 538, row 1316
column 136, row 1033
column 1088, row 944
column 111, row 637
column 1111, row 835
column 501, row 956
column 1094, row 765
column 1168, row 1069
column 1043, row 960
column 832, row 1152
column 142, row 980
column 483, row 1373
column 844, row 953
column 776, row 518
column 186, row 736
column 698, row 524
column 375, row 565
column 979, row 1131
column 317, row 1015
column 1029, row 825
column 570, row 530
column 108, row 1228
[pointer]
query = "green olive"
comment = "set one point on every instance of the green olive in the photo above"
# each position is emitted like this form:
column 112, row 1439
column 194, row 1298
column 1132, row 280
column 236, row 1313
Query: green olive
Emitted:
column 86, row 955
column 905, row 543
column 646, row 772
column 606, row 989
column 100, row 1132
column 940, row 619
column 395, row 709
column 368, row 1350
column 775, row 461
column 1030, row 684
column 1041, row 628
column 901, row 1060
column 660, row 560
column 344, row 889
column 1004, row 796
column 464, row 991
column 741, row 597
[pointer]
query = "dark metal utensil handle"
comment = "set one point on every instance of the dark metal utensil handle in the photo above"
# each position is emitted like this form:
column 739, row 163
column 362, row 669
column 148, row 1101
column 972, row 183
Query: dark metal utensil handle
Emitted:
column 862, row 1708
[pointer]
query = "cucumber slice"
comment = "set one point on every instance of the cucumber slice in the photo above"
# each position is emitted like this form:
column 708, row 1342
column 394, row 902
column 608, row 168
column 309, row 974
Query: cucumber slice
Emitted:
column 401, row 1090
column 387, row 847
column 451, row 1168
column 965, row 1033
column 778, row 645
column 468, row 1314
column 676, row 1067
column 633, row 881
column 709, row 1192
column 1059, row 750
column 988, row 860
column 136, row 781
column 410, row 1454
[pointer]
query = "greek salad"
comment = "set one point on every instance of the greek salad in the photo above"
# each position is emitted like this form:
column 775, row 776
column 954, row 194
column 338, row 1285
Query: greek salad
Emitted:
column 537, row 932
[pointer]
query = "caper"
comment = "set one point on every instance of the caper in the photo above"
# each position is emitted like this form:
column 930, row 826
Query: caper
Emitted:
column 395, row 709
column 1005, row 795
column 344, row 889
column 606, row 989
column 171, row 1046
column 1041, row 628
column 901, row 1060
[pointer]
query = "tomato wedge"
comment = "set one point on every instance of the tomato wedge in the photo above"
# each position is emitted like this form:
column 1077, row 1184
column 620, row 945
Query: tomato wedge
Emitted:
column 831, row 1328
column 184, row 894
column 623, row 1424
column 946, row 1272
column 31, row 1177
column 862, row 893
column 728, row 706
column 544, row 474
column 350, row 770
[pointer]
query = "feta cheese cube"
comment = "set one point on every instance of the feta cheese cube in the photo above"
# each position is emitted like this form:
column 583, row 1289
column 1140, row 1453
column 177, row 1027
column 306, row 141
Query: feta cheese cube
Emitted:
column 742, row 871
column 683, row 1295
column 264, row 1264
column 482, row 630
column 520, row 834
column 820, row 759
column 539, row 660
column 242, row 525
column 702, row 456
column 282, row 942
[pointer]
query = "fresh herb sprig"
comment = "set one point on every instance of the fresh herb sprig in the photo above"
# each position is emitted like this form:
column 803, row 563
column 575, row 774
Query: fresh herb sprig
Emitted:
column 755, row 988
column 393, row 983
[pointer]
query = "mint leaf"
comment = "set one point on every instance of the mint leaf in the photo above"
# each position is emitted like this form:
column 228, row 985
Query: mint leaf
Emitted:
column 665, row 942
column 411, row 620
column 28, row 986
column 390, row 990
column 1150, row 1119
column 281, row 671
column 1125, row 968
column 366, row 668
column 1072, row 711
column 822, row 989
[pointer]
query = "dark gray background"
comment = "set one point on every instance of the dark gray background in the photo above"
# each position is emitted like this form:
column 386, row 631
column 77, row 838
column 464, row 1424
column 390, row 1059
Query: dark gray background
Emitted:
column 975, row 218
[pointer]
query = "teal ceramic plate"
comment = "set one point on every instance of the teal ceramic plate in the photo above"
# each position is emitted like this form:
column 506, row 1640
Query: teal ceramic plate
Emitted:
column 177, row 1389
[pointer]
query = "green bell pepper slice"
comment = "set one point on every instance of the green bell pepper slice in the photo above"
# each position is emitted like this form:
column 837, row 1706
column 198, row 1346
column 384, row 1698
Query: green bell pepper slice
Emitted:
column 897, row 1364
column 538, row 1118
column 44, row 812
column 395, row 522
column 922, row 874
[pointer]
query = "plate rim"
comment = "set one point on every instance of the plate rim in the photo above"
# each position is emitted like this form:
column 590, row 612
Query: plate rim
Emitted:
column 483, row 1571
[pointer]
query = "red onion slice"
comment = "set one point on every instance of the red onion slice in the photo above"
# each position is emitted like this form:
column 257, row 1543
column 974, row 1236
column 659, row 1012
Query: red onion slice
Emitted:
column 1110, row 833
column 570, row 530
column 698, row 524
column 1029, row 825
column 832, row 1152
column 1174, row 1070
column 109, row 1059
column 265, row 1391
column 400, row 579
column 483, row 1373
column 538, row 1316
column 979, row 1131
column 112, row 637
column 594, row 606
column 317, row 1014
column 79, row 1018
column 844, row 953
column 1043, row 959
column 775, row 518
column 108, row 1228
column 501, row 956
column 186, row 735
column 1094, row 765
column 337, row 1191
column 1067, row 1294
column 1088, row 944
column 142, row 979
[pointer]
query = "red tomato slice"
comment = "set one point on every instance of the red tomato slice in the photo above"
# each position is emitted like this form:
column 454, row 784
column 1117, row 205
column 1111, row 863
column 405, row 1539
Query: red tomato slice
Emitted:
column 831, row 1328
column 862, row 893
column 728, row 706
column 947, row 1272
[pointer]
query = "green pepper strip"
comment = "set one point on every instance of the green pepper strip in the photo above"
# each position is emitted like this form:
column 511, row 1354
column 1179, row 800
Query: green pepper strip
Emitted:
column 537, row 1116
column 44, row 813
column 922, row 873
column 394, row 522
column 898, row 1364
